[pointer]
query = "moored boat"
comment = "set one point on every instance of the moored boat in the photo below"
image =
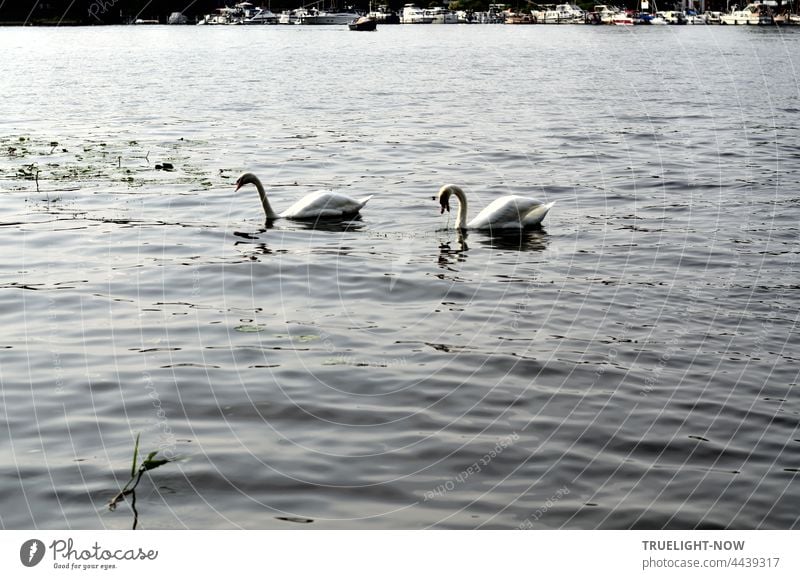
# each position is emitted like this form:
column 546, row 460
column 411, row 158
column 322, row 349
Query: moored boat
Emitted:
column 413, row 14
column 600, row 14
column 569, row 14
column 622, row 19
column 520, row 18
column 291, row 16
column 648, row 15
column 693, row 17
column 548, row 16
column 239, row 14
column 753, row 14
column 439, row 15
column 787, row 18
column 328, row 17
column 262, row 16
column 383, row 15
column 177, row 18
column 674, row 17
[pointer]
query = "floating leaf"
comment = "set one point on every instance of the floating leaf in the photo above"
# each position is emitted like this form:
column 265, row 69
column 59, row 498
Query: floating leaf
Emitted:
column 308, row 338
column 151, row 464
column 248, row 329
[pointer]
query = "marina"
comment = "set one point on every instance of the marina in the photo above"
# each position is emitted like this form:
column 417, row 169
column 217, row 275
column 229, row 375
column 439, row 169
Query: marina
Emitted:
column 341, row 13
column 768, row 12
column 630, row 362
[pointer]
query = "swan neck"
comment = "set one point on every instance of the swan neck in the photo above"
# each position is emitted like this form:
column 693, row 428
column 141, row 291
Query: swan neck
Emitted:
column 264, row 201
column 461, row 216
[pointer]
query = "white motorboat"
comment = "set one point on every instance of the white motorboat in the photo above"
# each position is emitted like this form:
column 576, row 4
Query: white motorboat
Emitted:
column 622, row 19
column 240, row 13
column 601, row 14
column 751, row 14
column 569, row 14
column 413, row 14
column 559, row 14
column 550, row 16
column 223, row 16
column 291, row 16
column 490, row 17
column 383, row 15
column 262, row 16
column 739, row 17
column 327, row 17
column 441, row 16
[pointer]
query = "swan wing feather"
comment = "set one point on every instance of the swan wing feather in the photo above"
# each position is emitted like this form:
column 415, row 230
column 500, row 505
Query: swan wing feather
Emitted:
column 537, row 214
column 508, row 212
column 324, row 204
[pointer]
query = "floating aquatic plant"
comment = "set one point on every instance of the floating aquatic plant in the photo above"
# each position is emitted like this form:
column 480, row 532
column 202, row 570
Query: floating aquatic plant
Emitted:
column 247, row 329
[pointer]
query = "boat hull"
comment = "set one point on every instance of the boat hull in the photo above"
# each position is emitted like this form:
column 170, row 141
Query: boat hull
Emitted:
column 328, row 18
column 364, row 24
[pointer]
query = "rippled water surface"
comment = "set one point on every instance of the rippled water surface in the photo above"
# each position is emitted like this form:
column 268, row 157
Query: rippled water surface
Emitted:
column 632, row 364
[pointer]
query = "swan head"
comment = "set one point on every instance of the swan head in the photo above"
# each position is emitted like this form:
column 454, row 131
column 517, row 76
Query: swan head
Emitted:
column 443, row 197
column 244, row 179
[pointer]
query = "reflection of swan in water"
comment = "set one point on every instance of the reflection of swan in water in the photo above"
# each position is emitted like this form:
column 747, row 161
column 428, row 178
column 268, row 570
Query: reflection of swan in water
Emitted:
column 514, row 240
column 520, row 240
column 317, row 205
column 448, row 256
column 333, row 225
column 511, row 212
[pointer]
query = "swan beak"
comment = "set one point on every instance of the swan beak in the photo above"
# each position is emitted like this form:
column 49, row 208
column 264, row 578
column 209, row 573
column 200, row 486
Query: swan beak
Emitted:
column 238, row 186
column 445, row 206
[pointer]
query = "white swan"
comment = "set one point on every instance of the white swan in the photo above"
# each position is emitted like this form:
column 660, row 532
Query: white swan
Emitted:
column 317, row 205
column 509, row 212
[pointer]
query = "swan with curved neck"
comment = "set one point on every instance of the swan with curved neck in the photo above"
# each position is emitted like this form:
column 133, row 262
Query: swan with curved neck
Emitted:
column 317, row 205
column 508, row 212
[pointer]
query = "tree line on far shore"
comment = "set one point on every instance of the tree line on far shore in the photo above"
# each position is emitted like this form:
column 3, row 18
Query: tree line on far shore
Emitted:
column 70, row 12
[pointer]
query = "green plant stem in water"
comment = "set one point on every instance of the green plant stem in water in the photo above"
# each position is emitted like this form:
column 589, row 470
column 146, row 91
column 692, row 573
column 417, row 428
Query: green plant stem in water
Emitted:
column 148, row 463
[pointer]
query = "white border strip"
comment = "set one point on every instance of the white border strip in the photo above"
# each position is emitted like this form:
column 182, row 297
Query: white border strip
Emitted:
column 406, row 554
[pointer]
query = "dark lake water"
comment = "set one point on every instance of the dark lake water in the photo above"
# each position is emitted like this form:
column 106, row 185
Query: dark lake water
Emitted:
column 632, row 364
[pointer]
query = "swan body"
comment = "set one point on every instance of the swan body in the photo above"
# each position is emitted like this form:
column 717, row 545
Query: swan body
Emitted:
column 317, row 205
column 505, row 213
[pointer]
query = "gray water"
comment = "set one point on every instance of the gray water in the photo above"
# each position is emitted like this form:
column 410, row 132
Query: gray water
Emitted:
column 631, row 364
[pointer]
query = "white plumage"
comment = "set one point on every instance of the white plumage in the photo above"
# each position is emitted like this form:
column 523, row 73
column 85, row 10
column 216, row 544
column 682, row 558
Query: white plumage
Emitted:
column 505, row 213
column 317, row 205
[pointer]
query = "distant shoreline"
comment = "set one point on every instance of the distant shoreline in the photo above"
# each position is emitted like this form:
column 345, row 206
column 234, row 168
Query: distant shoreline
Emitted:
column 47, row 24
